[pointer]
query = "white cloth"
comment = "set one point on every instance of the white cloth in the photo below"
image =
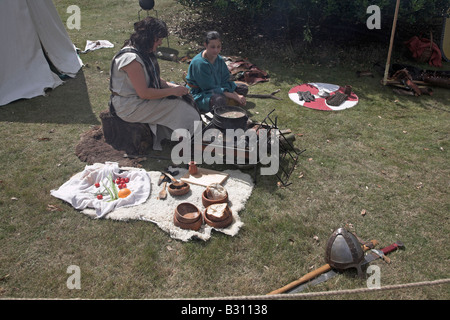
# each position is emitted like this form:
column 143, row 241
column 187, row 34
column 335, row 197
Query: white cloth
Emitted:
column 97, row 44
column 325, row 87
column 80, row 190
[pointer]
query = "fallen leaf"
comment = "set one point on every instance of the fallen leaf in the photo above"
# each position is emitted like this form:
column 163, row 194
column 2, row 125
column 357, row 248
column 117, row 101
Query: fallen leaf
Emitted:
column 316, row 238
column 52, row 207
column 4, row 277
column 363, row 212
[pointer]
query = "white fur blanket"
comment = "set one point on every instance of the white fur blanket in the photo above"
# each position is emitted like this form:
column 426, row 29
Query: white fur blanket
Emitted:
column 239, row 186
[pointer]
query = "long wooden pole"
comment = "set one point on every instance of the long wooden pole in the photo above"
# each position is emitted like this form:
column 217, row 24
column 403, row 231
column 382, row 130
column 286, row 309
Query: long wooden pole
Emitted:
column 394, row 25
column 312, row 274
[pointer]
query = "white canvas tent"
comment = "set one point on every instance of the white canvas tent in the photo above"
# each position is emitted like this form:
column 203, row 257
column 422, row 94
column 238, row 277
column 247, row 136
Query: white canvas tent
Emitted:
column 27, row 28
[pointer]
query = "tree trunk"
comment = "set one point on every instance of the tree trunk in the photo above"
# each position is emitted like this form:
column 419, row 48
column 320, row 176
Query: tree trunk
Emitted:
column 133, row 138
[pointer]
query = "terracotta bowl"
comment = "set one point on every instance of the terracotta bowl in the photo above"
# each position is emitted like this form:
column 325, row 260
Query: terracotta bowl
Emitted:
column 187, row 213
column 178, row 190
column 189, row 226
column 215, row 217
column 218, row 222
column 207, row 202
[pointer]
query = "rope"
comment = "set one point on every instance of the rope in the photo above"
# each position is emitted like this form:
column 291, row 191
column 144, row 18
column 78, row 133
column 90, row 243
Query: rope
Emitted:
column 332, row 293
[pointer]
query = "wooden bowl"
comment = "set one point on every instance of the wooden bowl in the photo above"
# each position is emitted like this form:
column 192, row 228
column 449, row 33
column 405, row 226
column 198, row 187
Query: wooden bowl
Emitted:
column 189, row 226
column 187, row 213
column 207, row 202
column 217, row 215
column 178, row 190
column 218, row 222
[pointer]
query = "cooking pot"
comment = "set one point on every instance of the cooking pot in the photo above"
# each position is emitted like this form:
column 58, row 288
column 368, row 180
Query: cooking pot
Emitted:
column 230, row 117
column 147, row 4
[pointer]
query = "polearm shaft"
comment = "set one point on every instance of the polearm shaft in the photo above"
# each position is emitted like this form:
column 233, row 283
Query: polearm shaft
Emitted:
column 368, row 258
column 313, row 274
column 391, row 43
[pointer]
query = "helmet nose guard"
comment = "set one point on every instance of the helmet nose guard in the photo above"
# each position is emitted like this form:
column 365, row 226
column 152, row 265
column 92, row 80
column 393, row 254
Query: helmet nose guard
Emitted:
column 344, row 251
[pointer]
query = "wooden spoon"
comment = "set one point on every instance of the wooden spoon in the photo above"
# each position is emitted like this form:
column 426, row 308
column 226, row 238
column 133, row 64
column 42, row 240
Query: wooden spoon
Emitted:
column 175, row 182
column 163, row 192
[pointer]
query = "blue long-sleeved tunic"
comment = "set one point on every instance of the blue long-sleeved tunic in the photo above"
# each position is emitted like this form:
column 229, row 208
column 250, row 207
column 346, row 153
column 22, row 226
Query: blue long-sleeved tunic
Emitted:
column 204, row 79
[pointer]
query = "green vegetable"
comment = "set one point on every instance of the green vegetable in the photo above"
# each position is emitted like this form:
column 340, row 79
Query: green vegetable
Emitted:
column 112, row 190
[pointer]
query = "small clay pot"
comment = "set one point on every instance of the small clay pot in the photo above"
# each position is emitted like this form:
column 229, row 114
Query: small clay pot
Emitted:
column 193, row 168
column 178, row 189
column 207, row 202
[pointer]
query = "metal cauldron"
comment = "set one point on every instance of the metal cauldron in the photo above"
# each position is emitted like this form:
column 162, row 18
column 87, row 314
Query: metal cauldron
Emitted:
column 147, row 4
column 230, row 117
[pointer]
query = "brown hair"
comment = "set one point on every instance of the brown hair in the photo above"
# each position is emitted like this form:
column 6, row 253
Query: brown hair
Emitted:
column 146, row 32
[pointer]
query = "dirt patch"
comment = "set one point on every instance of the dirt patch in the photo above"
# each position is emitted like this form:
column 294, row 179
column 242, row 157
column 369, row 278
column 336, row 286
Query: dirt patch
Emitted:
column 93, row 148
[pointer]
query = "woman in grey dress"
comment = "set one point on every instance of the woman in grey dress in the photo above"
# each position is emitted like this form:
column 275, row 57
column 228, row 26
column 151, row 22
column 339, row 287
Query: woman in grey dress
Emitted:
column 138, row 94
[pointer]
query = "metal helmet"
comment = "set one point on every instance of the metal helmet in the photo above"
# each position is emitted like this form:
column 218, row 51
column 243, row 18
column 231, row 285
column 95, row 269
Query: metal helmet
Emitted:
column 344, row 251
column 147, row 4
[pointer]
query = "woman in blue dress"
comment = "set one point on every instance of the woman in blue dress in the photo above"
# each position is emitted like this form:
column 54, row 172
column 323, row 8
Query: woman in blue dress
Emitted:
column 208, row 77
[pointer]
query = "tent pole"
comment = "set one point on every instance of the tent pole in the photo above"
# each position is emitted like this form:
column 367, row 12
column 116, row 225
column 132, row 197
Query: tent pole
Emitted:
column 394, row 25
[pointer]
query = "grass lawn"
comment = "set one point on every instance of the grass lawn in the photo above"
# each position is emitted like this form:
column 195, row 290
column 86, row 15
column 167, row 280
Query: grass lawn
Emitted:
column 389, row 156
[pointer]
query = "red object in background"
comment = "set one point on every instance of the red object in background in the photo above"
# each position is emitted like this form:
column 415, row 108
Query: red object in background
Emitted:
column 417, row 46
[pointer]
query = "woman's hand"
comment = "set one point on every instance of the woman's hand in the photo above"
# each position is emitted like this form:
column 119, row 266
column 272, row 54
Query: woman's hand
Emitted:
column 236, row 97
column 179, row 90
column 241, row 100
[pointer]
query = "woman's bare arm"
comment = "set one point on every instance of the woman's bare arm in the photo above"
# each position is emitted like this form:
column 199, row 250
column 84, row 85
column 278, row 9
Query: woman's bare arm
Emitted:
column 136, row 74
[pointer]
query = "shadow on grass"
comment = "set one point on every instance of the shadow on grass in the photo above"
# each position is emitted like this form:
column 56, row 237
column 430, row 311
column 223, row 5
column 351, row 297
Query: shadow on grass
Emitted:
column 66, row 104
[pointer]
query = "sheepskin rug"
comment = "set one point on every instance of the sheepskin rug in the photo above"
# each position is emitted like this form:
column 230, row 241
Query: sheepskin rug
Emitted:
column 239, row 186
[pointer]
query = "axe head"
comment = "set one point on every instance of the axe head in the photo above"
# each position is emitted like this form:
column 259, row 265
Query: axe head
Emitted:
column 400, row 244
column 163, row 178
